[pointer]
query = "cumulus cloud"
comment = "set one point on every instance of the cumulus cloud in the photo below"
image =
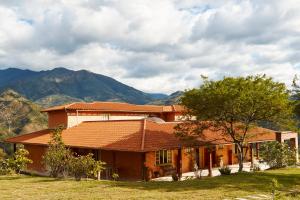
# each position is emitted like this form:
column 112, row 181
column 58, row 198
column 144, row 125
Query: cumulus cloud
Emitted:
column 154, row 45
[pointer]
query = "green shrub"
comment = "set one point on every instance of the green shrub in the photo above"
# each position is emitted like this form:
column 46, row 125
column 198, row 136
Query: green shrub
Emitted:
column 81, row 166
column 19, row 161
column 98, row 168
column 115, row 176
column 175, row 177
column 60, row 161
column 15, row 164
column 2, row 154
column 57, row 156
column 225, row 170
column 84, row 166
column 278, row 155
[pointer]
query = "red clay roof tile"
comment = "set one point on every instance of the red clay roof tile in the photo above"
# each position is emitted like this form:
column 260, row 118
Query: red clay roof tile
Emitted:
column 115, row 107
column 127, row 135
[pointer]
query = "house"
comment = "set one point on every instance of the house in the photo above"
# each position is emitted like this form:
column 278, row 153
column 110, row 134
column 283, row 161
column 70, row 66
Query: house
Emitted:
column 138, row 141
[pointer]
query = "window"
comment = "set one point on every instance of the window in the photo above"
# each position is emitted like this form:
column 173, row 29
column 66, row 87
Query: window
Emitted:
column 163, row 157
column 188, row 150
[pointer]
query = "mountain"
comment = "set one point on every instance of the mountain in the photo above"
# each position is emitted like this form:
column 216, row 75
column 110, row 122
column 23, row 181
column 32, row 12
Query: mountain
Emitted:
column 24, row 116
column 173, row 98
column 56, row 99
column 158, row 95
column 83, row 85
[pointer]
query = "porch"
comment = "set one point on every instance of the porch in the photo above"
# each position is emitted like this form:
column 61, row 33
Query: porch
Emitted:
column 215, row 172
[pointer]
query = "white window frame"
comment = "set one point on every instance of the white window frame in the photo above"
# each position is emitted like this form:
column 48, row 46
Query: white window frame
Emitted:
column 158, row 156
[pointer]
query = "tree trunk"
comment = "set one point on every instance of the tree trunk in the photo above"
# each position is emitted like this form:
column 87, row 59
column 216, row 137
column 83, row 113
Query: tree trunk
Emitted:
column 240, row 157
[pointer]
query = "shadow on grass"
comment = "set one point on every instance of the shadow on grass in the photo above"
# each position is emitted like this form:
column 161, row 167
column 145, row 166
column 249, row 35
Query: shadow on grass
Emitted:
column 12, row 177
column 29, row 178
column 248, row 182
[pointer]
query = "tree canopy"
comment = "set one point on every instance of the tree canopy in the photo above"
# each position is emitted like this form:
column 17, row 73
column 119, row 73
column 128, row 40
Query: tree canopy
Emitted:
column 232, row 106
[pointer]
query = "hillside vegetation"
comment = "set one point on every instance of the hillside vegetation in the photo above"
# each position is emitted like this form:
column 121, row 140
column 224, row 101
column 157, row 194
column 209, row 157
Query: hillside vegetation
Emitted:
column 172, row 99
column 25, row 115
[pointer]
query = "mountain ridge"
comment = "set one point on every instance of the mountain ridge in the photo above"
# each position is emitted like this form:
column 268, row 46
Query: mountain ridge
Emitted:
column 82, row 84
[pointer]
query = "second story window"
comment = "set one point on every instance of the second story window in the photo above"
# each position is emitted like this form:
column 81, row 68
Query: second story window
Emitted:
column 163, row 157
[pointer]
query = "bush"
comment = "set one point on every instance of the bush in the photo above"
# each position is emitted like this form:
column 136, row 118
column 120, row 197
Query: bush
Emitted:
column 19, row 161
column 2, row 154
column 256, row 168
column 15, row 164
column 175, row 177
column 4, row 168
column 278, row 155
column 115, row 176
column 85, row 166
column 81, row 166
column 225, row 170
column 57, row 157
column 60, row 161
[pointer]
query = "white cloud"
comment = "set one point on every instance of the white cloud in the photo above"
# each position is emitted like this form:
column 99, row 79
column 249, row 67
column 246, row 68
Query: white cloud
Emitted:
column 154, row 45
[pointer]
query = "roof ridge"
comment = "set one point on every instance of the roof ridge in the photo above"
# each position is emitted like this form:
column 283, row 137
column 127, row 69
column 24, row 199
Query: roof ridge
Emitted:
column 113, row 120
column 70, row 104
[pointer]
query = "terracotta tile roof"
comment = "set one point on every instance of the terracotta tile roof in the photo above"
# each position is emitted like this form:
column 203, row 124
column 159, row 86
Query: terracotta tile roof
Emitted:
column 127, row 135
column 115, row 106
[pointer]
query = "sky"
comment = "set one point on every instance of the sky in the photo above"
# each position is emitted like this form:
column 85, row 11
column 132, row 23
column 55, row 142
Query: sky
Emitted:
column 154, row 45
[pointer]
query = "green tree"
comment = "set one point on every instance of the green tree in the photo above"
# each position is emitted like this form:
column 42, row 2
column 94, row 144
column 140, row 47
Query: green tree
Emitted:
column 2, row 154
column 233, row 106
column 85, row 166
column 20, row 160
column 277, row 154
column 57, row 156
column 16, row 163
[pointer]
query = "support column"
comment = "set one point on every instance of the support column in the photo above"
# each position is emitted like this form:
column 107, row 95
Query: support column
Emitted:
column 144, row 170
column 257, row 151
column 98, row 159
column 251, row 154
column 197, row 157
column 114, row 163
column 15, row 147
column 210, row 164
column 294, row 142
column 179, row 163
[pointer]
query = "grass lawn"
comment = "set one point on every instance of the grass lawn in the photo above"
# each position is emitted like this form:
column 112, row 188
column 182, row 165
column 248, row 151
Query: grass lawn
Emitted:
column 229, row 187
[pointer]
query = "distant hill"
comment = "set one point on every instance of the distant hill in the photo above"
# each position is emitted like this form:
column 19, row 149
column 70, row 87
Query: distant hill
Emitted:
column 173, row 98
column 61, row 85
column 26, row 116
column 56, row 99
column 158, row 95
